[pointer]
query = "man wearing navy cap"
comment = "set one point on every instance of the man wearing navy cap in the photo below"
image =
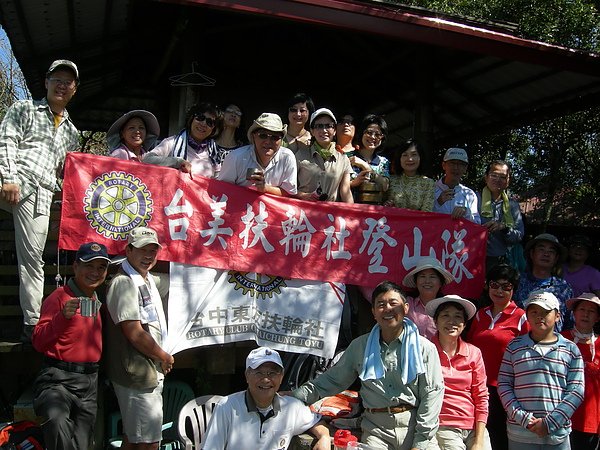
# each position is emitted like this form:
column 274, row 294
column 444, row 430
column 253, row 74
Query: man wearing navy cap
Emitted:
column 35, row 137
column 69, row 334
column 259, row 418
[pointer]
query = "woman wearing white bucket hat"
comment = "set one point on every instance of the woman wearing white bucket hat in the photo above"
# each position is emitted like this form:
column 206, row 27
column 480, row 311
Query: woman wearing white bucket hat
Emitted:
column 465, row 406
column 132, row 135
column 323, row 172
column 428, row 277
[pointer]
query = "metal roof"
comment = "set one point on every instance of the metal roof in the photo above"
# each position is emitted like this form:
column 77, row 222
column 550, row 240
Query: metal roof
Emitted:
column 461, row 79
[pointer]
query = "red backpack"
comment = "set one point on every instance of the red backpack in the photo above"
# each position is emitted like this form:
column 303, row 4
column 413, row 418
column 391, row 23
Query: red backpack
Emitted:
column 23, row 435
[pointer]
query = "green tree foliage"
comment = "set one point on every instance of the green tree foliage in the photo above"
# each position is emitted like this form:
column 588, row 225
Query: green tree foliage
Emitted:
column 570, row 23
column 555, row 162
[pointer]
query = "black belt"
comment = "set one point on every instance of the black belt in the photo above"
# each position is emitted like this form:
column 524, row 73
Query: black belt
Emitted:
column 85, row 368
column 391, row 409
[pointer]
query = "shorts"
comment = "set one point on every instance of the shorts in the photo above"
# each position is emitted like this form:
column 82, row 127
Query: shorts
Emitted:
column 142, row 413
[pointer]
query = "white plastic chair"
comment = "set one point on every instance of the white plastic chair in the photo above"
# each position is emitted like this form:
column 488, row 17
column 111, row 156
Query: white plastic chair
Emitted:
column 194, row 418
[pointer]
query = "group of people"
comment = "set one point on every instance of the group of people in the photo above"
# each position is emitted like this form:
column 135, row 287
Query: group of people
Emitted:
column 435, row 371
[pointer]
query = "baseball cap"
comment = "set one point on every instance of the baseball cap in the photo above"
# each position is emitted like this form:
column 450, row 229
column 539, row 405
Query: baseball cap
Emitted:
column 66, row 64
column 141, row 236
column 322, row 112
column 90, row 251
column 262, row 355
column 454, row 153
column 546, row 300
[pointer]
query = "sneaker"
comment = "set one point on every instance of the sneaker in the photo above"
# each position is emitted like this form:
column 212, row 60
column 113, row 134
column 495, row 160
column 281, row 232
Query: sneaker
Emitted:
column 26, row 335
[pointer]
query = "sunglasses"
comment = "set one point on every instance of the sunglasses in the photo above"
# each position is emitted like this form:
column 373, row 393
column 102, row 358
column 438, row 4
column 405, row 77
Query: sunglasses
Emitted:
column 234, row 111
column 271, row 137
column 324, row 126
column 507, row 287
column 207, row 120
column 346, row 121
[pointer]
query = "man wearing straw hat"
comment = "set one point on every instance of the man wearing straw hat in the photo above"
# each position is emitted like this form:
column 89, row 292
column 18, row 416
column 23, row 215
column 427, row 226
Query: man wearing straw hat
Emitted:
column 264, row 165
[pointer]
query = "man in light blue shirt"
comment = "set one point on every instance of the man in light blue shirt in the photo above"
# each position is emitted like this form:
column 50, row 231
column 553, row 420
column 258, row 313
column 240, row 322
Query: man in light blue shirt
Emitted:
column 451, row 197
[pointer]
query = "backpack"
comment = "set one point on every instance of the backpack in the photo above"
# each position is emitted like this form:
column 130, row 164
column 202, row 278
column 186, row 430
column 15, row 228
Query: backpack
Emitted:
column 22, row 435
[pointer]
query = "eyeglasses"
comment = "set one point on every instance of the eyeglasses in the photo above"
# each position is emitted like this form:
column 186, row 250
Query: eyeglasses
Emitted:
column 207, row 120
column 65, row 83
column 270, row 375
column 271, row 137
column 323, row 126
column 300, row 110
column 234, row 111
column 507, row 287
column 346, row 121
column 495, row 176
column 373, row 134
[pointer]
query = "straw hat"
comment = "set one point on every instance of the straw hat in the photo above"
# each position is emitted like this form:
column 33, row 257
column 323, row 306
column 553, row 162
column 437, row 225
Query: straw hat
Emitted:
column 269, row 122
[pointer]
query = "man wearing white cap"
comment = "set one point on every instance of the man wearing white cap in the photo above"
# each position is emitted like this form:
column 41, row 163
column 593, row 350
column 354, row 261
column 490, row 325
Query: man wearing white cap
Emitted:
column 540, row 382
column 35, row 137
column 451, row 197
column 258, row 418
column 136, row 330
column 263, row 165
column 323, row 172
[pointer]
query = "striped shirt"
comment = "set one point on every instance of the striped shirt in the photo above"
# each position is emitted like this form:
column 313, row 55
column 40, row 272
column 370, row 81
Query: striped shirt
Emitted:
column 33, row 150
column 548, row 386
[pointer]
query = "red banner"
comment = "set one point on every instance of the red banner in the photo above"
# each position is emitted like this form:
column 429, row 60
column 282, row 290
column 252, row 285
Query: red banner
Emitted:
column 214, row 224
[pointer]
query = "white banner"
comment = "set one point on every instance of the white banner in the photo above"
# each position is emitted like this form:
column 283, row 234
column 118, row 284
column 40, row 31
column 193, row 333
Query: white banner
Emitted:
column 210, row 306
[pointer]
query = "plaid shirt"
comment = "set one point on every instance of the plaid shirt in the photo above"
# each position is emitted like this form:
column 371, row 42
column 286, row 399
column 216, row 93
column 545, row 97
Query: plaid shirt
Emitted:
column 32, row 150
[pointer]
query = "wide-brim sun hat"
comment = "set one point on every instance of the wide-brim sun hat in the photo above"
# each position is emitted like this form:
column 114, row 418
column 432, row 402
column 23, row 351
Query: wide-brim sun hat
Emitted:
column 427, row 262
column 267, row 121
column 432, row 305
column 586, row 296
column 113, row 135
column 562, row 250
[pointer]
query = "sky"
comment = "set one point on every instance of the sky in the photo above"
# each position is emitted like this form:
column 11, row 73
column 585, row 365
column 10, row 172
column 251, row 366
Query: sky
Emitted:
column 5, row 54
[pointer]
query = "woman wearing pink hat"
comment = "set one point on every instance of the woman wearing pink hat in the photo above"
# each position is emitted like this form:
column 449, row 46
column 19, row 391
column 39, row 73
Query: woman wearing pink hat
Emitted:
column 428, row 277
column 586, row 419
column 132, row 135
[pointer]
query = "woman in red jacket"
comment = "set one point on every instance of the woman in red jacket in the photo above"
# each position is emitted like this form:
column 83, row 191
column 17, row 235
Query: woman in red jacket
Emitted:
column 586, row 420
